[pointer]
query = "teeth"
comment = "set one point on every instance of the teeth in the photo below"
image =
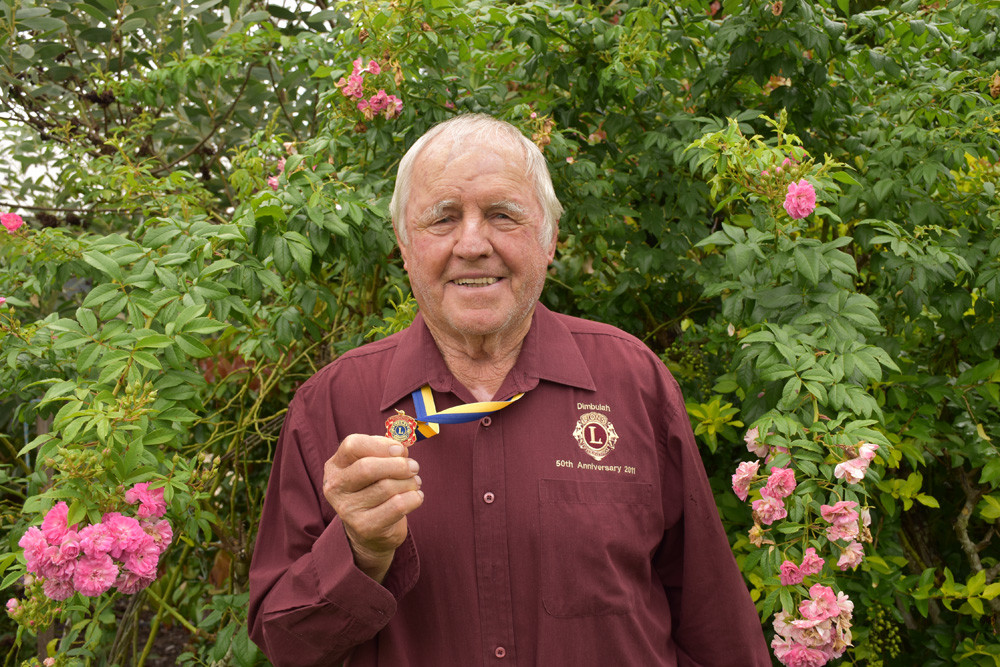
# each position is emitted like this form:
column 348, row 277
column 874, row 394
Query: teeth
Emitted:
column 476, row 281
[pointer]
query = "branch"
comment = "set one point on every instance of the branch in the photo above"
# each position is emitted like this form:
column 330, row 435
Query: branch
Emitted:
column 973, row 494
column 60, row 209
column 215, row 127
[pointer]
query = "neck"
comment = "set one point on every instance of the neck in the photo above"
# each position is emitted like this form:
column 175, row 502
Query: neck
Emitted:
column 480, row 363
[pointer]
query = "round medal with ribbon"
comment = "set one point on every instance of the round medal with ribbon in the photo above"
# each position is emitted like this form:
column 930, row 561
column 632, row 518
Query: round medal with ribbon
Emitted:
column 401, row 428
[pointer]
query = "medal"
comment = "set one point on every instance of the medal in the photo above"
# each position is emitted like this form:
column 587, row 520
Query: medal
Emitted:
column 401, row 428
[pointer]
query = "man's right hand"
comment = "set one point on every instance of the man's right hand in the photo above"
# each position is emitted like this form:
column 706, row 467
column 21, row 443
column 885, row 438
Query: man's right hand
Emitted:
column 372, row 486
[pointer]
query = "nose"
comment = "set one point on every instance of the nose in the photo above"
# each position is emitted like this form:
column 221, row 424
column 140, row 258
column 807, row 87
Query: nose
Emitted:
column 473, row 239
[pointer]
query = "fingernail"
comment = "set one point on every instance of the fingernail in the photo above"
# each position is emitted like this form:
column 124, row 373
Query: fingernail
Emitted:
column 414, row 466
column 416, row 478
column 395, row 450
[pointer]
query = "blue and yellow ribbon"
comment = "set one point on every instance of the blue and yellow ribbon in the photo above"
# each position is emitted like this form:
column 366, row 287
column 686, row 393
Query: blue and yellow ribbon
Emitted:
column 429, row 419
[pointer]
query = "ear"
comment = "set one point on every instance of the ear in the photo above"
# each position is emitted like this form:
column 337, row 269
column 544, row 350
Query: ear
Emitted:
column 554, row 242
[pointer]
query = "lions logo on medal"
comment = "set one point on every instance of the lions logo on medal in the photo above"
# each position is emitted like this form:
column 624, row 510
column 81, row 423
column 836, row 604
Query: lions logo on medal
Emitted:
column 595, row 435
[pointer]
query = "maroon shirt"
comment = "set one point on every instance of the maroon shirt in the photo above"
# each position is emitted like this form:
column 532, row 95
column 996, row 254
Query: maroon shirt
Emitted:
column 574, row 527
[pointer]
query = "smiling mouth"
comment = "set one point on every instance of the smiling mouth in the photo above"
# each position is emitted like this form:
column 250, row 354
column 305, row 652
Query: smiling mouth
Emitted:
column 476, row 282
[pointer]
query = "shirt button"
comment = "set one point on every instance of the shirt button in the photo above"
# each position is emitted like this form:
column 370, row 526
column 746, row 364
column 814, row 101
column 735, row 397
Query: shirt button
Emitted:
column 485, row 421
column 500, row 652
column 489, row 497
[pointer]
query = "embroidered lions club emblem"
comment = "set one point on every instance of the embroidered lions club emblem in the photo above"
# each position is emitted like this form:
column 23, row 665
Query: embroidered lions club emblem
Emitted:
column 595, row 435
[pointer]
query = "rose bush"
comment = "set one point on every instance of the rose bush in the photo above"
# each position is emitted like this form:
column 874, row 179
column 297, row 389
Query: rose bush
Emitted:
column 194, row 209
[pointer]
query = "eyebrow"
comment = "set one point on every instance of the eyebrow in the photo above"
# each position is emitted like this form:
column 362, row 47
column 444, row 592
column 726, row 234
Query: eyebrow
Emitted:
column 509, row 206
column 437, row 210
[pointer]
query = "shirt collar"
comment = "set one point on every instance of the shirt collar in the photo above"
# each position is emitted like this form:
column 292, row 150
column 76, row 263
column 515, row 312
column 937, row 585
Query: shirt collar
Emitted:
column 549, row 352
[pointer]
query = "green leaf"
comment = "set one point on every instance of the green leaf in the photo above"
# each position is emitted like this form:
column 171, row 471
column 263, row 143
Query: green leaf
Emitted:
column 991, row 472
column 927, row 500
column 104, row 264
column 192, row 346
column 738, row 258
column 155, row 341
column 807, row 262
column 42, row 23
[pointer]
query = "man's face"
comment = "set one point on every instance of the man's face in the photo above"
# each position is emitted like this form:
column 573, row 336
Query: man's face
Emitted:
column 474, row 254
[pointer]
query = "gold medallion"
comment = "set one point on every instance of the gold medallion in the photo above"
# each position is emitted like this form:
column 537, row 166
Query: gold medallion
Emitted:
column 401, row 428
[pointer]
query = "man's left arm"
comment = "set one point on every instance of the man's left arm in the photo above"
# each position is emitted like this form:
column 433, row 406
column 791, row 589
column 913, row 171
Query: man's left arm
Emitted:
column 714, row 619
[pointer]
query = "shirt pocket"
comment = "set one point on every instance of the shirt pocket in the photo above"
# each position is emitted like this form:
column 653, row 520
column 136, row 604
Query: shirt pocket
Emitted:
column 595, row 545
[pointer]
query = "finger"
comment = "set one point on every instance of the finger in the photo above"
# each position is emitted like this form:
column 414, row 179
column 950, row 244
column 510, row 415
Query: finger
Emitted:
column 380, row 494
column 374, row 528
column 367, row 471
column 358, row 446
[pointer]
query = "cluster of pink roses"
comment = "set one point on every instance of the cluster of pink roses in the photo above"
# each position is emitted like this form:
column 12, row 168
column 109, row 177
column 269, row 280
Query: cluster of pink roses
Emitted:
column 811, row 564
column 780, row 483
column 120, row 551
column 822, row 633
column 845, row 525
column 353, row 87
column 11, row 222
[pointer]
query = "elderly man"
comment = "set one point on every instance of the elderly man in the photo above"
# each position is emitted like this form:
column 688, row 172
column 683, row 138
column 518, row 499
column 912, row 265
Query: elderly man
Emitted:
column 559, row 513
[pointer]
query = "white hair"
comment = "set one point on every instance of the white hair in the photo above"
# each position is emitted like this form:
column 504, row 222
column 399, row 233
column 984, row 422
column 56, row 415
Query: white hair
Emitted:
column 495, row 133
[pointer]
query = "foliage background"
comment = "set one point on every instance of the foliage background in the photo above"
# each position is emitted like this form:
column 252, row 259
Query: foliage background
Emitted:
column 164, row 300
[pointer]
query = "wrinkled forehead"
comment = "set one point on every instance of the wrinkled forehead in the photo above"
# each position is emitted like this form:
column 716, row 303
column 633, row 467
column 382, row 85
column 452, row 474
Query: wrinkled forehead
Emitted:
column 444, row 150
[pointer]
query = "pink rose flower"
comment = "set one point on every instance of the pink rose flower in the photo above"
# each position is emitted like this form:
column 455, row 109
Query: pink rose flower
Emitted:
column 379, row 101
column 3, row 300
column 95, row 540
column 840, row 513
column 754, row 447
column 852, row 471
column 130, row 583
column 780, row 483
column 54, row 524
column 365, row 107
column 790, row 574
column 125, row 533
column 161, row 532
column 769, row 510
column 11, row 221
column 851, row 556
column 143, row 557
column 867, row 451
column 848, row 532
column 802, row 656
column 34, row 544
column 273, row 182
column 12, row 604
column 811, row 563
column 355, row 86
column 57, row 589
column 359, row 66
column 95, row 576
column 821, row 605
column 55, row 565
column 374, row 68
column 845, row 605
column 800, row 200
column 744, row 475
column 69, row 546
column 151, row 502
column 393, row 107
